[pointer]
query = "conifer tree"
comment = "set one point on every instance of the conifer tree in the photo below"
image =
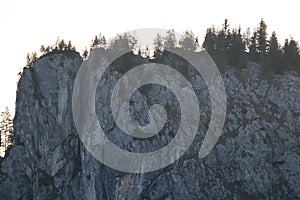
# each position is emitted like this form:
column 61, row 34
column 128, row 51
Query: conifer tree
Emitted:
column 158, row 45
column 253, row 49
column 170, row 40
column 274, row 54
column 6, row 130
column 236, row 48
column 189, row 41
column 209, row 43
column 98, row 42
column 291, row 52
column 124, row 42
column 30, row 59
column 247, row 39
column 222, row 40
column 262, row 38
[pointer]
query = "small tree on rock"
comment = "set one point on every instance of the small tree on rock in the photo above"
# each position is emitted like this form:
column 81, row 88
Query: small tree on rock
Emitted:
column 6, row 130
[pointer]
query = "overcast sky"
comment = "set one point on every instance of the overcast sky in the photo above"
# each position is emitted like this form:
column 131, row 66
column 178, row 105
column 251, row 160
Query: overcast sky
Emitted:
column 26, row 25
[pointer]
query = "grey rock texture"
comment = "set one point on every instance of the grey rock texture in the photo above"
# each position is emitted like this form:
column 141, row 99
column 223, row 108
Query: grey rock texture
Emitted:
column 257, row 156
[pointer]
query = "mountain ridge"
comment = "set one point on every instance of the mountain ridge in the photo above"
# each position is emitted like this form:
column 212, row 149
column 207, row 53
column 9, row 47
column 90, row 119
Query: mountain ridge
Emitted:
column 257, row 156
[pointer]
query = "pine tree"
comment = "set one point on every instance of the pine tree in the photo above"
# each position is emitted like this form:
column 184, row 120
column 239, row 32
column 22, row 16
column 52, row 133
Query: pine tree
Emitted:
column 98, row 42
column 30, row 59
column 61, row 45
column 236, row 48
column 170, row 40
column 291, row 52
column 274, row 54
column 189, row 41
column 222, row 40
column 124, row 42
column 253, row 49
column 85, row 53
column 6, row 130
column 70, row 46
column 159, row 45
column 247, row 39
column 262, row 38
column 225, row 26
column 44, row 49
column 209, row 43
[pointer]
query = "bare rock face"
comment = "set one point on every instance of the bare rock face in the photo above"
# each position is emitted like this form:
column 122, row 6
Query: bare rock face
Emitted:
column 257, row 156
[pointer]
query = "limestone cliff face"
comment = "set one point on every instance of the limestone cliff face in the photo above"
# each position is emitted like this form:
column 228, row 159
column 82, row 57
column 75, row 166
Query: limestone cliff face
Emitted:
column 257, row 157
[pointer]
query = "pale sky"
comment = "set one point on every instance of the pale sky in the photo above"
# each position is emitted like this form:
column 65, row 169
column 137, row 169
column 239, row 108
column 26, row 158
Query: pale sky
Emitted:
column 26, row 25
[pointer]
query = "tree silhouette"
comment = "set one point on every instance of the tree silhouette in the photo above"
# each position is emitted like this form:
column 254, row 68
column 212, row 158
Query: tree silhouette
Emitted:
column 236, row 48
column 70, row 46
column 209, row 43
column 45, row 50
column 98, row 42
column 274, row 54
column 30, row 59
column 247, row 39
column 226, row 46
column 262, row 38
column 223, row 38
column 60, row 45
column 85, row 53
column 170, row 40
column 6, row 130
column 189, row 41
column 291, row 53
column 159, row 45
column 253, row 47
column 124, row 42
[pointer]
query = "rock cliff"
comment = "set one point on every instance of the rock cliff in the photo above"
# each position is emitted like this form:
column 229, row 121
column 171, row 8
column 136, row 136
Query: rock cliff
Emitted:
column 257, row 156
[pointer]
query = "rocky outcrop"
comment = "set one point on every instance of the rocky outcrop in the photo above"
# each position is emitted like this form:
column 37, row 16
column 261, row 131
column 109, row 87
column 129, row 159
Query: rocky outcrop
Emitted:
column 257, row 156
